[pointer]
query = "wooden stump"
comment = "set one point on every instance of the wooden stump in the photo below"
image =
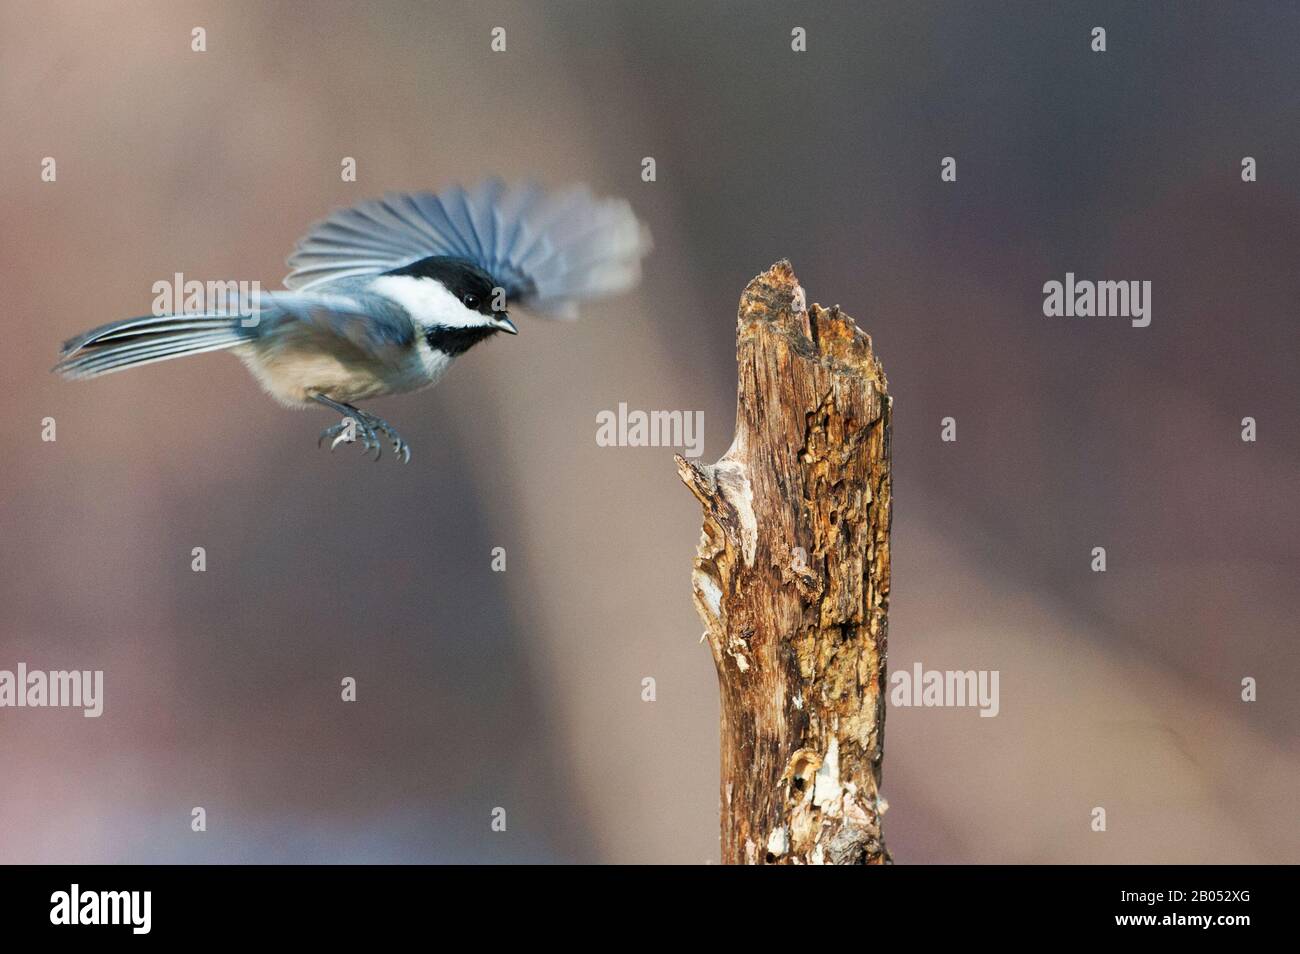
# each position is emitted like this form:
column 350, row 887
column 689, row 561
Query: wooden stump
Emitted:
column 792, row 582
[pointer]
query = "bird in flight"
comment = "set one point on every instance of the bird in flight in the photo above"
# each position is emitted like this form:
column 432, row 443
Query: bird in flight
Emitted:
column 384, row 295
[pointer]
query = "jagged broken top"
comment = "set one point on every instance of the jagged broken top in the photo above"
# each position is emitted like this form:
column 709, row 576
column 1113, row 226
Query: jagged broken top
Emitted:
column 776, row 301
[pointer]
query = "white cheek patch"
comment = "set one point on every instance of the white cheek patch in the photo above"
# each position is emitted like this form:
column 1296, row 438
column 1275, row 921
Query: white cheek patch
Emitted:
column 428, row 301
column 432, row 363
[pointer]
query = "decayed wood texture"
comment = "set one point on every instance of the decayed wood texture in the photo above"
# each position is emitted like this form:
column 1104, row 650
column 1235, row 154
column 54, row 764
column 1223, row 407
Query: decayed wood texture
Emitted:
column 792, row 582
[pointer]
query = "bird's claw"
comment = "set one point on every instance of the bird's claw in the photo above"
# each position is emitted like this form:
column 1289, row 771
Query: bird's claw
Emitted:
column 339, row 432
column 365, row 426
column 401, row 449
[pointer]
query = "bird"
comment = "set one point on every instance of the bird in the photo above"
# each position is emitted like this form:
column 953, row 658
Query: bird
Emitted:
column 384, row 295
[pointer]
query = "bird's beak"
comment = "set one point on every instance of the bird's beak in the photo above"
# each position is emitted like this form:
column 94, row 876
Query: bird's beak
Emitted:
column 505, row 324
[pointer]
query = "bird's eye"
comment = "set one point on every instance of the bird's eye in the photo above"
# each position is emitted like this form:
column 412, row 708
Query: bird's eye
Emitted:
column 470, row 302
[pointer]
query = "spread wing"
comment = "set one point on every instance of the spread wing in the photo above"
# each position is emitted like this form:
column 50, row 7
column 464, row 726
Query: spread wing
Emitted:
column 549, row 251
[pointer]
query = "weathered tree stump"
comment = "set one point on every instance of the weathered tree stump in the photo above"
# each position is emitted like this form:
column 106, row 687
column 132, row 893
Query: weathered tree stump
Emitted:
column 792, row 582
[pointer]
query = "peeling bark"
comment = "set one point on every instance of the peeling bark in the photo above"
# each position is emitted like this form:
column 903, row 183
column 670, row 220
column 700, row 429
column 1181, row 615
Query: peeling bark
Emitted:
column 792, row 582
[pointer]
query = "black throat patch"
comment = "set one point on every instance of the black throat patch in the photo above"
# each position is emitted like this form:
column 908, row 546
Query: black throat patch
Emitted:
column 454, row 341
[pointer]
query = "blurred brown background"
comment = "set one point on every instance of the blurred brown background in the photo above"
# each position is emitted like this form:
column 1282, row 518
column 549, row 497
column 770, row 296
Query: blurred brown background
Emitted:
column 522, row 689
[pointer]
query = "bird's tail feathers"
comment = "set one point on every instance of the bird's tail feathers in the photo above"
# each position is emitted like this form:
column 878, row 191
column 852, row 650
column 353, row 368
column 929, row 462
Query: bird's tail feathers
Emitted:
column 137, row 341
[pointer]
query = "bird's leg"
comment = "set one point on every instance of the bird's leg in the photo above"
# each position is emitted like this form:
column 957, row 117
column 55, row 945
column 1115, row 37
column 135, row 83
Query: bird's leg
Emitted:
column 342, row 432
column 366, row 424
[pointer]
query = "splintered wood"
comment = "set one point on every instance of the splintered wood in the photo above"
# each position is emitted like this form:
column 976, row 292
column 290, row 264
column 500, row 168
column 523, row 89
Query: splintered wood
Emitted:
column 792, row 582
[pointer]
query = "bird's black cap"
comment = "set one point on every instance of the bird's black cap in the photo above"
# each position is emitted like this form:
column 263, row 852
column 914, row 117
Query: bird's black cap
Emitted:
column 463, row 279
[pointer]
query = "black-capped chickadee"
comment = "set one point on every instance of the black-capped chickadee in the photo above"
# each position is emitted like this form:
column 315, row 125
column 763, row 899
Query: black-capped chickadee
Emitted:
column 384, row 295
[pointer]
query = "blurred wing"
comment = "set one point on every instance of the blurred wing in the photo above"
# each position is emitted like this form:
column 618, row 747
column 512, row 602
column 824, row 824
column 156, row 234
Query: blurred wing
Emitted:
column 548, row 251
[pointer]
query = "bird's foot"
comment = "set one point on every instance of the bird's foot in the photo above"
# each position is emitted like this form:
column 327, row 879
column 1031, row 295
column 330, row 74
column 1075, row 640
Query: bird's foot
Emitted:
column 357, row 423
column 348, row 430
